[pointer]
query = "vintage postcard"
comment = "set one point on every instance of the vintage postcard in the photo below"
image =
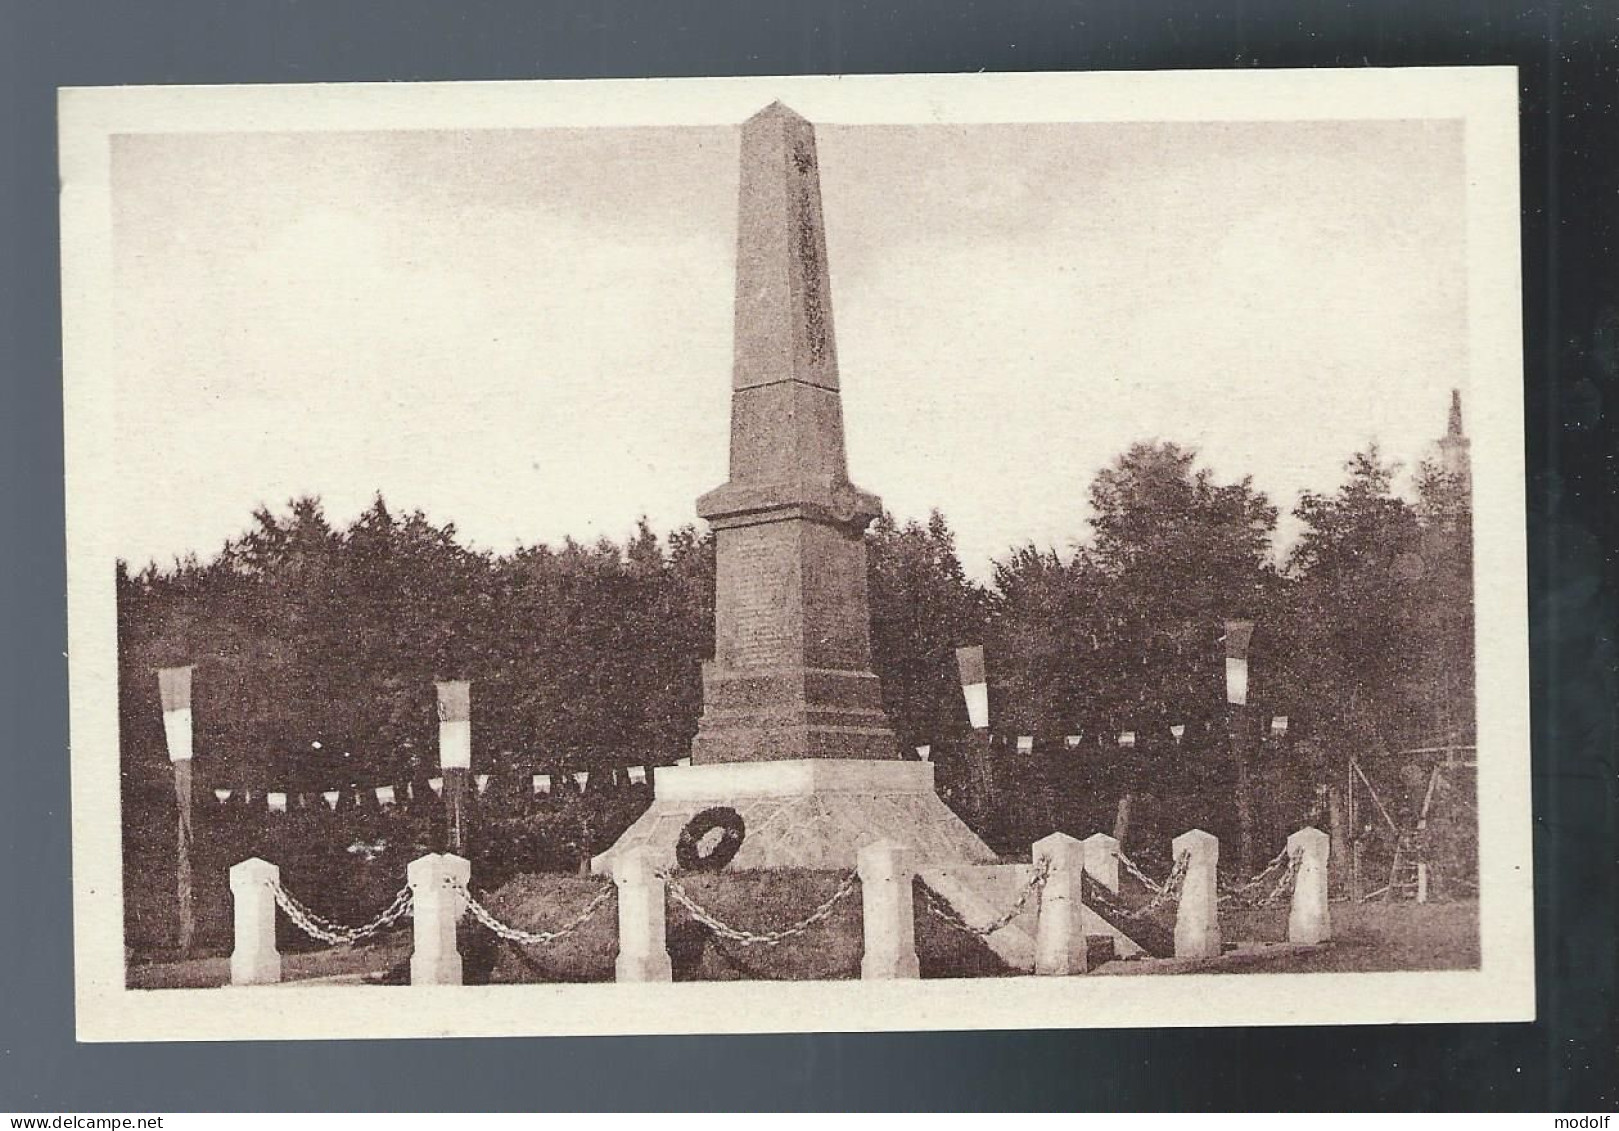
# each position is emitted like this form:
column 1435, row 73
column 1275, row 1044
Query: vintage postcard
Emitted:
column 733, row 555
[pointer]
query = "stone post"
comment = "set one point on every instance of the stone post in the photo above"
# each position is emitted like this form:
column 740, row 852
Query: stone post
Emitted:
column 643, row 951
column 437, row 886
column 1308, row 920
column 1197, row 916
column 1059, row 936
column 1102, row 860
column 254, row 961
column 888, row 911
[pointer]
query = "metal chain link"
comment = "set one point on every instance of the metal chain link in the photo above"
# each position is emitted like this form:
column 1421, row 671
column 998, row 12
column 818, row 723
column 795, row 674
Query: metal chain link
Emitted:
column 1243, row 893
column 750, row 938
column 533, row 938
column 335, row 934
column 936, row 904
column 1284, row 884
column 1168, row 892
column 1146, row 881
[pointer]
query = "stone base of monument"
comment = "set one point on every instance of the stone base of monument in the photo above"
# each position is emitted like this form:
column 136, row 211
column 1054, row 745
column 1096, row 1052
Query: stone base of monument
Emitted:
column 808, row 813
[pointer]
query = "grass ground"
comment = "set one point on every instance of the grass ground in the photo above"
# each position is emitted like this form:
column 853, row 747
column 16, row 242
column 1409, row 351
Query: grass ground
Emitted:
column 1372, row 937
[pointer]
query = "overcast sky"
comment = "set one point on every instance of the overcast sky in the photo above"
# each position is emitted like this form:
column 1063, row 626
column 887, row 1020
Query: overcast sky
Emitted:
column 529, row 333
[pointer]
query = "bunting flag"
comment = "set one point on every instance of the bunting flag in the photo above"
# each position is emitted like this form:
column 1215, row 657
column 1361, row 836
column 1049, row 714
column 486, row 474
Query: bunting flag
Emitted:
column 924, row 752
column 1178, row 731
column 330, row 797
column 1237, row 635
column 542, row 783
column 483, row 783
column 1278, row 725
column 580, row 777
column 222, row 795
column 974, row 687
column 1072, row 740
column 637, row 775
column 1025, row 743
column 1127, row 738
column 454, row 724
column 277, row 802
column 436, row 785
column 385, row 795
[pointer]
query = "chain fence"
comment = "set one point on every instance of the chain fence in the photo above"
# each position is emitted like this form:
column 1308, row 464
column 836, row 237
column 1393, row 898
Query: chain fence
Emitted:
column 1280, row 873
column 325, row 930
column 1166, row 893
column 757, row 938
column 936, row 903
column 531, row 938
column 1141, row 877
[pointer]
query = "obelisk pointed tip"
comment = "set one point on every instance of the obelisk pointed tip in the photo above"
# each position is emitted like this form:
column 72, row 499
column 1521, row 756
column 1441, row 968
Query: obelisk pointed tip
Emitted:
column 777, row 111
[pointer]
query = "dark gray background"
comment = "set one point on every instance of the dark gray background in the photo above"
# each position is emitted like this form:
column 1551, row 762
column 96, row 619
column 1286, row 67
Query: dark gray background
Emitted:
column 1566, row 1061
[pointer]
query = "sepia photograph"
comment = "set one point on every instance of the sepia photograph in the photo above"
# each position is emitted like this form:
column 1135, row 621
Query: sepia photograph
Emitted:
column 726, row 555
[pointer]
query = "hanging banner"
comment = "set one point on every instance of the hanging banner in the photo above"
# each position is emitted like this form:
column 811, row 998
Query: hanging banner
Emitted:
column 174, row 690
column 637, row 775
column 924, row 752
column 542, row 783
column 385, row 795
column 1237, row 635
column 277, row 802
column 682, row 761
column 1278, row 725
column 454, row 724
column 330, row 797
column 222, row 795
column 182, row 796
column 1127, row 738
column 974, row 684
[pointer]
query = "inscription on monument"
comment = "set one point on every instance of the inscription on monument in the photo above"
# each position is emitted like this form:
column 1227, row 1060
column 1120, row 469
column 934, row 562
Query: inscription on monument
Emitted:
column 809, row 254
column 760, row 577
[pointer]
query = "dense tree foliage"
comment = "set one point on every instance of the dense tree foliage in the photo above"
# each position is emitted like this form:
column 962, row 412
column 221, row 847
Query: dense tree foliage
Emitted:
column 316, row 649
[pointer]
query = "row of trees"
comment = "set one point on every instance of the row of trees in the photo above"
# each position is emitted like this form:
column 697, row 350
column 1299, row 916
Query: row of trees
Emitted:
column 587, row 656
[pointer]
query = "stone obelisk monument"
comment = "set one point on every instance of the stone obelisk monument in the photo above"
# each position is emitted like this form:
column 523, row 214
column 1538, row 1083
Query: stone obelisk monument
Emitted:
column 793, row 735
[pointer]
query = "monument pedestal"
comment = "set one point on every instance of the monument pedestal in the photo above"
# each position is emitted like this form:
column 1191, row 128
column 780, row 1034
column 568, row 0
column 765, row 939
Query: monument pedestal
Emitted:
column 805, row 813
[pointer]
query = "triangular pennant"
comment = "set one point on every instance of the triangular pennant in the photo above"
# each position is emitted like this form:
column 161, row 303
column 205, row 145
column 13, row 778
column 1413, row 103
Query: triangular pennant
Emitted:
column 924, row 752
column 330, row 797
column 436, row 785
column 580, row 777
column 483, row 782
column 1072, row 740
column 222, row 795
